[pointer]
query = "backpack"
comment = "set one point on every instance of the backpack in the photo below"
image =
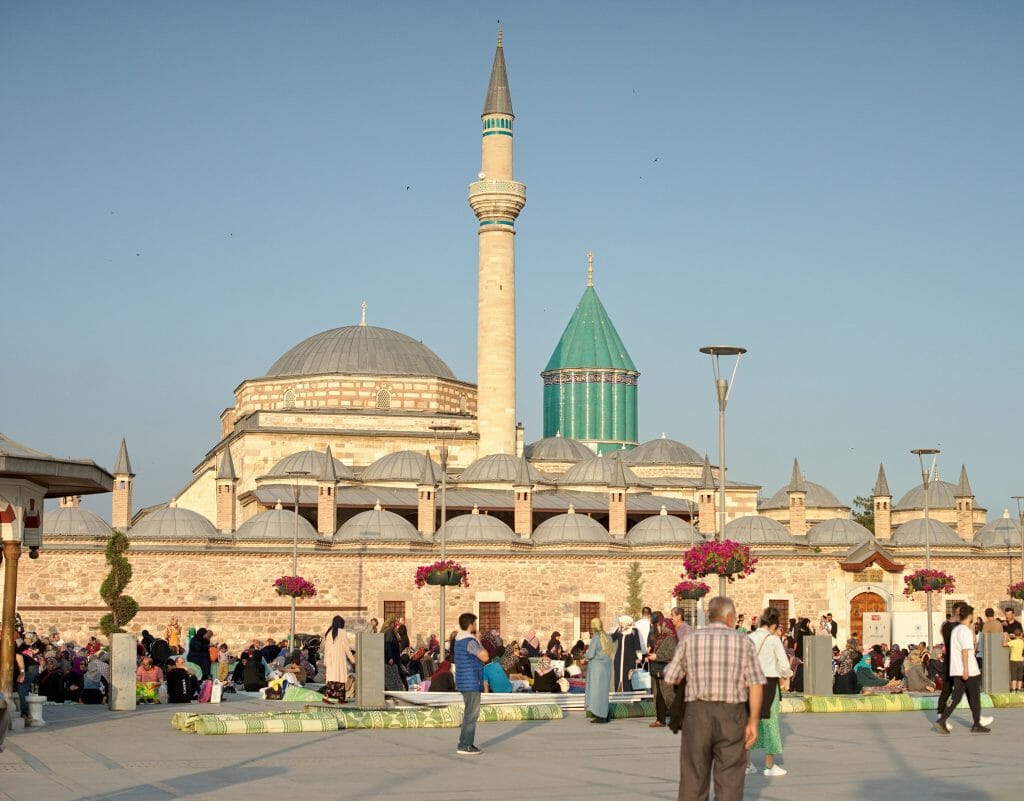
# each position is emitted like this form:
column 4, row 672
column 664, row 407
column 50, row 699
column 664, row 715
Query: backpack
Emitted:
column 205, row 691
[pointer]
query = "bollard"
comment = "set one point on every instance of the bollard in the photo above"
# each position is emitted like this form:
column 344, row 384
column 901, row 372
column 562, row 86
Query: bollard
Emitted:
column 35, row 710
column 370, row 671
column 995, row 664
column 123, row 650
column 818, row 676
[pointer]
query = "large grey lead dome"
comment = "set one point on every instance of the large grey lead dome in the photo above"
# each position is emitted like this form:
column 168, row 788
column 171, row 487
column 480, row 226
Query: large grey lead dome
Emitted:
column 361, row 350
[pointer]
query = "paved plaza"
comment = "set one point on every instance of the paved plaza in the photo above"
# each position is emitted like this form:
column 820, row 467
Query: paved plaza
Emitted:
column 91, row 753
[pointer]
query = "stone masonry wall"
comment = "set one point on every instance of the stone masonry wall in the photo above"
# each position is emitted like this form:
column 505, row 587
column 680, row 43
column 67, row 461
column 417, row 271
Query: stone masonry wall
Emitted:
column 231, row 592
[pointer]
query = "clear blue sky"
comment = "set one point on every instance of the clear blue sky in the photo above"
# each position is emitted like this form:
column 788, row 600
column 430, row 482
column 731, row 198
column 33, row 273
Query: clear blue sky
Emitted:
column 189, row 189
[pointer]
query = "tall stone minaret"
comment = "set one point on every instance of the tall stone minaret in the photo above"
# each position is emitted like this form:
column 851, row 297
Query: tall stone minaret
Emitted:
column 496, row 200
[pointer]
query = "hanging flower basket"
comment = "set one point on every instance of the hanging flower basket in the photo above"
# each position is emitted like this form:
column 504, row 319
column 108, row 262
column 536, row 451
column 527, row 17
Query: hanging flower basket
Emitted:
column 726, row 558
column 687, row 590
column 294, row 587
column 1016, row 591
column 928, row 581
column 444, row 574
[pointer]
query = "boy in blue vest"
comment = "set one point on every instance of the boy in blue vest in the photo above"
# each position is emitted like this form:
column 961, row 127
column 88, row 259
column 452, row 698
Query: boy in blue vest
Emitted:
column 470, row 657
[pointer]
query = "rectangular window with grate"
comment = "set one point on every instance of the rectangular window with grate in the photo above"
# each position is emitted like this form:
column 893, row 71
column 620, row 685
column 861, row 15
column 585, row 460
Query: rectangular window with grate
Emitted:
column 490, row 617
column 393, row 609
column 689, row 607
column 588, row 611
column 782, row 606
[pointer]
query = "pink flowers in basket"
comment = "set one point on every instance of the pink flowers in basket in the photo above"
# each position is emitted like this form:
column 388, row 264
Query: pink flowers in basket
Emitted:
column 924, row 580
column 447, row 573
column 726, row 558
column 294, row 587
column 690, row 590
column 1016, row 590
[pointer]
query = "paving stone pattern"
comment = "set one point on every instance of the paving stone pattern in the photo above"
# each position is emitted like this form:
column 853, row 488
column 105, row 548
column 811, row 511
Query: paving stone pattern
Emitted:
column 87, row 753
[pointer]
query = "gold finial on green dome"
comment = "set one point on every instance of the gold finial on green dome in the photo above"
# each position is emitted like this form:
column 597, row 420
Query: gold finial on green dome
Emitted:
column 590, row 268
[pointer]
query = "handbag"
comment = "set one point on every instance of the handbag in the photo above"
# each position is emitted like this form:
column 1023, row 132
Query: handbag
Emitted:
column 641, row 679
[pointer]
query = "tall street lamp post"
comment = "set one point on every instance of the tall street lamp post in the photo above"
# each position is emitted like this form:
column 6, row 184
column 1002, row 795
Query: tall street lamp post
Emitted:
column 722, row 388
column 296, row 474
column 926, row 475
column 442, row 432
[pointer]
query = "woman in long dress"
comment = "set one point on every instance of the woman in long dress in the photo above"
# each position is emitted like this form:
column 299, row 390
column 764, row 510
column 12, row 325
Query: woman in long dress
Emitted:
column 338, row 655
column 775, row 665
column 599, row 671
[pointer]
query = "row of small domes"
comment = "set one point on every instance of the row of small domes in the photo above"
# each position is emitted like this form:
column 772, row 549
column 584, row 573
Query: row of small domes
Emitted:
column 380, row 524
column 588, row 469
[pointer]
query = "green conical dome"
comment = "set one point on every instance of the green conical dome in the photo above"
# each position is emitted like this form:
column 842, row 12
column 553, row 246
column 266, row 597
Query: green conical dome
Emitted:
column 590, row 382
column 590, row 339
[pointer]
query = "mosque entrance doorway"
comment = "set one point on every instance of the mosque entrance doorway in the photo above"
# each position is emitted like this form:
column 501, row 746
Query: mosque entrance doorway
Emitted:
column 859, row 604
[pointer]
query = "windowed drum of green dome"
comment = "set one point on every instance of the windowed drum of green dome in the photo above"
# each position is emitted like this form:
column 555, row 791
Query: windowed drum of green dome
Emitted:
column 590, row 382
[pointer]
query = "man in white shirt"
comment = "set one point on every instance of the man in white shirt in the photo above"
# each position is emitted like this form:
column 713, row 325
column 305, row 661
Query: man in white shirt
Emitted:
column 965, row 673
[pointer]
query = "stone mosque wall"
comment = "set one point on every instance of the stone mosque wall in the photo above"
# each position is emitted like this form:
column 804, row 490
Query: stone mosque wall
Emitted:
column 230, row 591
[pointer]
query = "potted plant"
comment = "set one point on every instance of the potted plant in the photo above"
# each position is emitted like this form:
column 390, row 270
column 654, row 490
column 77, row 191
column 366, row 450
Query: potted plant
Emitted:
column 294, row 587
column 725, row 558
column 1016, row 591
column 927, row 580
column 687, row 590
column 447, row 573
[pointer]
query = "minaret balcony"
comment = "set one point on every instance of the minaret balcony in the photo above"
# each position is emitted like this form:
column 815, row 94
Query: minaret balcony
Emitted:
column 497, row 199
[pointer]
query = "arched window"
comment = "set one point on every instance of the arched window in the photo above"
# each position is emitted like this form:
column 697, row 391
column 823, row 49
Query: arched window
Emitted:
column 383, row 398
column 289, row 399
column 462, row 404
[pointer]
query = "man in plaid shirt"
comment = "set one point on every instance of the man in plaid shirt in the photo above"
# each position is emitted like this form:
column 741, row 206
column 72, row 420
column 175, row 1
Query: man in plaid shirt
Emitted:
column 723, row 704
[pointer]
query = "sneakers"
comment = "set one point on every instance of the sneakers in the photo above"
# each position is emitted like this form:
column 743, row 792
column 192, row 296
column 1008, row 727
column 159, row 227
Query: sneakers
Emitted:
column 751, row 770
column 986, row 720
column 980, row 729
column 941, row 728
column 775, row 770
column 468, row 750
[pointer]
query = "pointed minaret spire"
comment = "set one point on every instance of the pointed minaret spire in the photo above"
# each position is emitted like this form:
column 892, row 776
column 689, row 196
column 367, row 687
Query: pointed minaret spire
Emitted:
column 963, row 487
column 590, row 268
column 881, row 489
column 796, row 480
column 499, row 100
column 707, row 480
column 121, row 500
column 123, row 465
column 330, row 472
column 226, row 470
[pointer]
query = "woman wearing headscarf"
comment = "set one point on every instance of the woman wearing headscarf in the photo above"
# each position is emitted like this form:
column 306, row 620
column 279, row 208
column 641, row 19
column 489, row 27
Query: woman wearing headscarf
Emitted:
column 627, row 651
column 491, row 641
column 870, row 682
column 599, row 672
column 52, row 682
column 845, row 682
column 173, row 636
column 775, row 665
column 337, row 650
column 442, row 680
column 894, row 670
column 915, row 677
column 199, row 652
column 530, row 646
column 393, row 681
column 545, row 680
column 663, row 648
column 554, row 649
